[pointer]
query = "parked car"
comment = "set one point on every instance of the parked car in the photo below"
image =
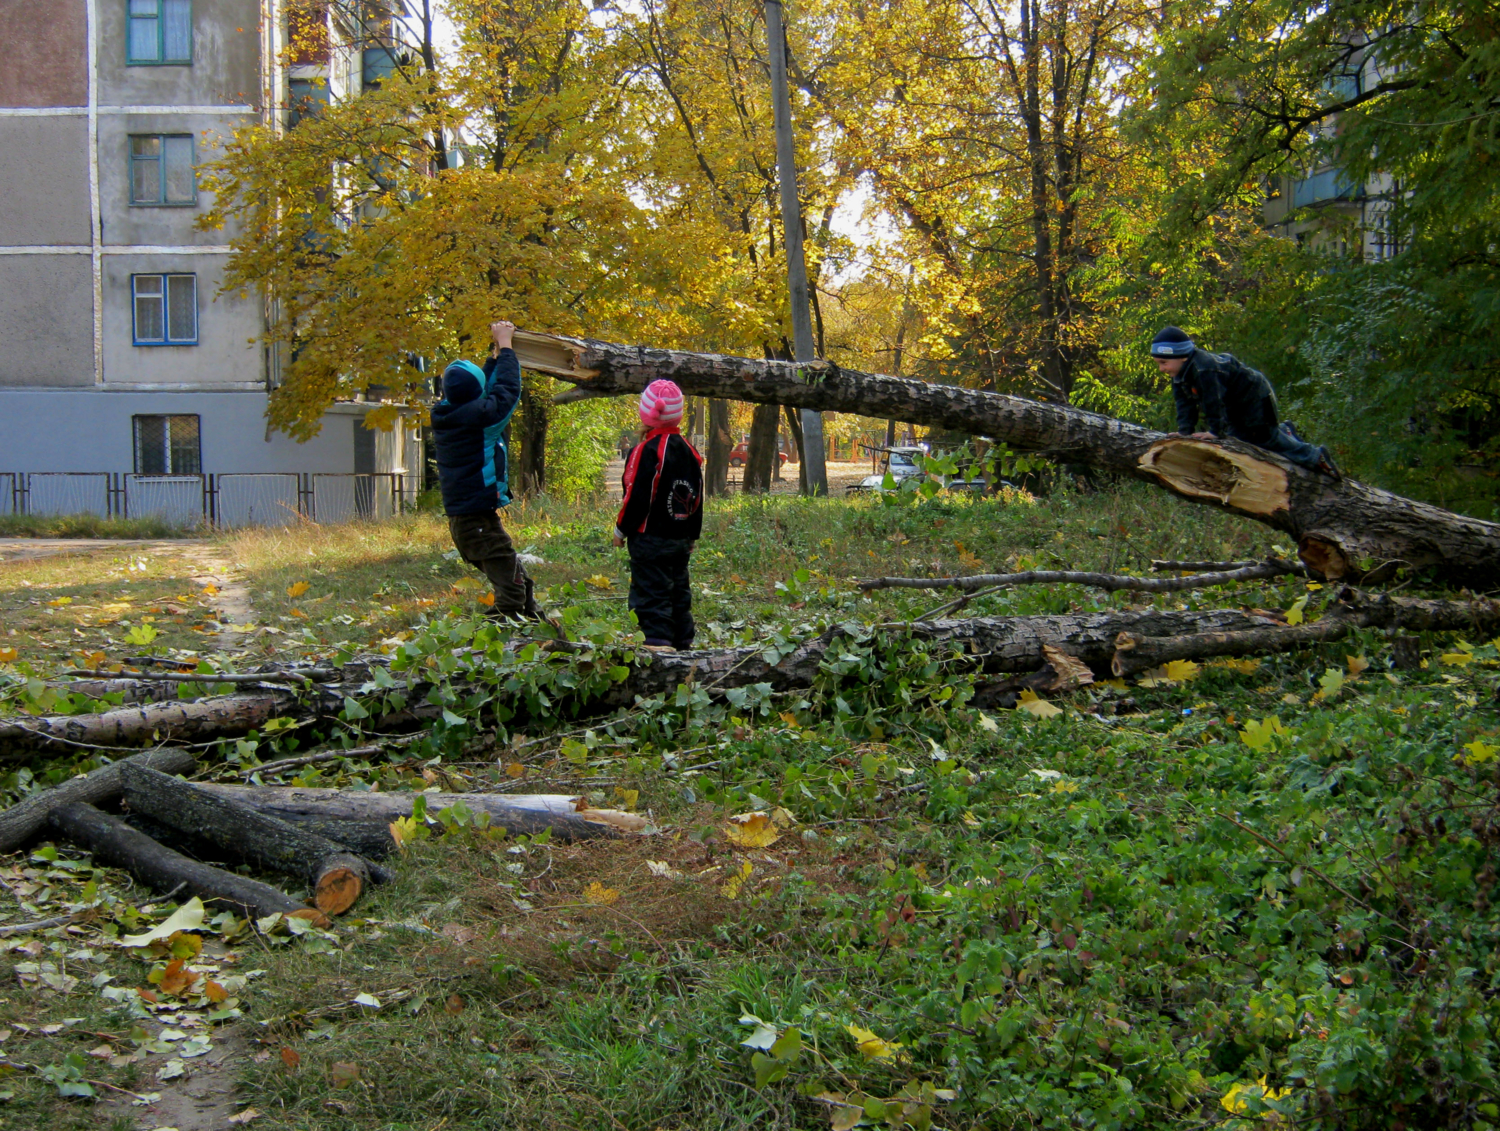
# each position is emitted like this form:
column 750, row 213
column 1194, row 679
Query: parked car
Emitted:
column 902, row 464
column 741, row 453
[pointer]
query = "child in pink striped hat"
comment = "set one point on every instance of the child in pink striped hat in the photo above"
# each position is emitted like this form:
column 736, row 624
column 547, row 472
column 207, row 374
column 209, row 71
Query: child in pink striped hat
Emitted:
column 661, row 519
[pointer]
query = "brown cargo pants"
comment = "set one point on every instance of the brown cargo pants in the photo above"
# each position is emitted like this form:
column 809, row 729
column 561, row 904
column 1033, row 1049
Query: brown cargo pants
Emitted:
column 481, row 541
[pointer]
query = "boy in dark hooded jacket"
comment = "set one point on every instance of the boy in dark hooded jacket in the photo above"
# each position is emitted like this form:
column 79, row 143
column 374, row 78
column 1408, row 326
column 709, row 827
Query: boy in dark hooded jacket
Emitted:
column 661, row 517
column 1233, row 400
column 468, row 432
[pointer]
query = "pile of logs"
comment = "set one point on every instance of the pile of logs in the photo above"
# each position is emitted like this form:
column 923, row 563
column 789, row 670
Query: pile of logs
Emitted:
column 329, row 839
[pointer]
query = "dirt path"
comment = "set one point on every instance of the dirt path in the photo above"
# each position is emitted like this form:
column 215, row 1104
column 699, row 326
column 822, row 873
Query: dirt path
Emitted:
column 231, row 602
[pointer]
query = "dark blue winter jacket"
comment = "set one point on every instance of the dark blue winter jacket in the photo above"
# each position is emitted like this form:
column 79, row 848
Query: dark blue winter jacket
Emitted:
column 469, row 439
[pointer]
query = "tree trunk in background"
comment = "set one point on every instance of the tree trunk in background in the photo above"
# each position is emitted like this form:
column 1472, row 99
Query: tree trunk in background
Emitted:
column 694, row 418
column 530, row 477
column 720, row 444
column 761, row 451
column 1342, row 527
column 794, row 423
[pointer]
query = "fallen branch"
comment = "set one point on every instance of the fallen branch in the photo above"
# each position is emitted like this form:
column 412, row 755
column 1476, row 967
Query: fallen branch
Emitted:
column 40, row 925
column 21, row 822
column 1215, row 567
column 296, row 676
column 1110, row 582
column 518, row 814
column 1136, row 653
column 114, row 842
column 336, row 876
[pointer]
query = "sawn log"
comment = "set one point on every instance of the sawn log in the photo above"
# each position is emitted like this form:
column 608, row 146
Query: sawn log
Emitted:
column 21, row 822
column 1337, row 524
column 336, row 876
column 112, row 841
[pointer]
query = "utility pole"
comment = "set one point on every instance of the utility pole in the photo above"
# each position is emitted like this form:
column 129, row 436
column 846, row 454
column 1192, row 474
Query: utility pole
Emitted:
column 791, row 223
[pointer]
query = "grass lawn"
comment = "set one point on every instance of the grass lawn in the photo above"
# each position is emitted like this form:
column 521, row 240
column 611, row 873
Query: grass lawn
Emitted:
column 1262, row 898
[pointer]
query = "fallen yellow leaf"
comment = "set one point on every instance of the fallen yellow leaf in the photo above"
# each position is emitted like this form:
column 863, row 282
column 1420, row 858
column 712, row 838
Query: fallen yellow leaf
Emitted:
column 751, row 830
column 1244, row 667
column 515, row 770
column 872, row 1046
column 599, row 581
column 736, row 881
column 296, row 589
column 8, row 655
column 1031, row 703
column 1357, row 664
column 597, row 893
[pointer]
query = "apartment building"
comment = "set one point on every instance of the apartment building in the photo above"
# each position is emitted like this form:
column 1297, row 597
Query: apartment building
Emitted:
column 1324, row 207
column 118, row 354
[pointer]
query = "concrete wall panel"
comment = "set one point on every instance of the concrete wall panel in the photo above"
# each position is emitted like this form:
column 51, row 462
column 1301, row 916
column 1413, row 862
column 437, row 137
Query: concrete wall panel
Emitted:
column 91, row 430
column 44, row 180
column 46, row 321
column 228, row 328
column 155, row 225
column 46, row 58
column 225, row 67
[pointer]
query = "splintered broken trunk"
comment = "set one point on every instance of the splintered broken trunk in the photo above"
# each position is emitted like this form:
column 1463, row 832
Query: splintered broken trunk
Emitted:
column 1340, row 526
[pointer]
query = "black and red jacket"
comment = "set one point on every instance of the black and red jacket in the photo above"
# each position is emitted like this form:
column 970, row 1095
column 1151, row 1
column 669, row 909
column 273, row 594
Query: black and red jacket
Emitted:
column 663, row 484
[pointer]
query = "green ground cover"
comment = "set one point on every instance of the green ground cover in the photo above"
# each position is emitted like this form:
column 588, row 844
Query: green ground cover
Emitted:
column 1261, row 897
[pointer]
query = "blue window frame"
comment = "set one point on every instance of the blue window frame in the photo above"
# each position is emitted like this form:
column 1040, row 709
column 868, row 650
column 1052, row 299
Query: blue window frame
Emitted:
column 164, row 309
column 167, row 445
column 159, row 31
column 161, row 169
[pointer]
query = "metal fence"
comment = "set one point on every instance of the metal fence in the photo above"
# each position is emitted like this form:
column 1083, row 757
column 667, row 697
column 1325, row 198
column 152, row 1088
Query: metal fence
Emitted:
column 224, row 499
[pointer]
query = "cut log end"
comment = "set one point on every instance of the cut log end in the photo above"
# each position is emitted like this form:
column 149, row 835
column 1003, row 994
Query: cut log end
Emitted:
column 1201, row 470
column 339, row 883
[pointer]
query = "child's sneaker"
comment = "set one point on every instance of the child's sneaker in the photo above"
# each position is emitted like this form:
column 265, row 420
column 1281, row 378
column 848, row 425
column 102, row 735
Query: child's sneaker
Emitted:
column 1327, row 466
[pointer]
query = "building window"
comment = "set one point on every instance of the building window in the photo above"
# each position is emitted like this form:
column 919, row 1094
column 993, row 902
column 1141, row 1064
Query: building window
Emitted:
column 167, row 445
column 161, row 169
column 166, row 309
column 160, row 31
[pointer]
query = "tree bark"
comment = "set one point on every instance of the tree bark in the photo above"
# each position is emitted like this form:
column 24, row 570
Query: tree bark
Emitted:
column 21, row 822
column 531, row 467
column 159, row 722
column 518, row 814
column 760, row 452
column 720, row 444
column 1338, row 524
column 794, row 426
column 337, row 877
column 114, row 842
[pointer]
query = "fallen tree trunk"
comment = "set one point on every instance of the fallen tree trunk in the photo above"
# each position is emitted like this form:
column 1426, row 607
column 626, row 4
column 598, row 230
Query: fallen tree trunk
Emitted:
column 336, row 876
column 1337, row 523
column 158, row 722
column 525, row 814
column 21, row 822
column 1135, row 653
column 992, row 645
column 114, row 842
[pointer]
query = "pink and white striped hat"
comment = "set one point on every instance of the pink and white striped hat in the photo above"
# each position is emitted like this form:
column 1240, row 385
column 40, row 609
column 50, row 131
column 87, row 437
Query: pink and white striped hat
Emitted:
column 661, row 404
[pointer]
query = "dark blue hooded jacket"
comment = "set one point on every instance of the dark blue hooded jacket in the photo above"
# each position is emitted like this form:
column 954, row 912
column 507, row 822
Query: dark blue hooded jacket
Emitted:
column 473, row 464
